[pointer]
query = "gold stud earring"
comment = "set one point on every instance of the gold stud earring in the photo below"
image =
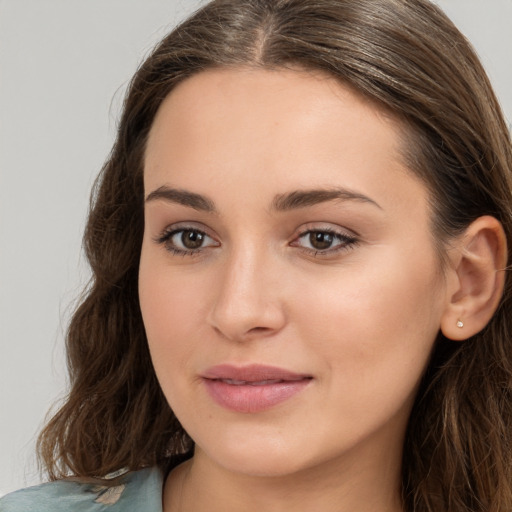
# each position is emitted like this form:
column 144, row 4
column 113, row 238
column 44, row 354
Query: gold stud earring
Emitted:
column 460, row 324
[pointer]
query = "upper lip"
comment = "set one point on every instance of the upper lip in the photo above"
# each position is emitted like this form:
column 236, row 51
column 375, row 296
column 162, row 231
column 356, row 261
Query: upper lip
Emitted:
column 252, row 373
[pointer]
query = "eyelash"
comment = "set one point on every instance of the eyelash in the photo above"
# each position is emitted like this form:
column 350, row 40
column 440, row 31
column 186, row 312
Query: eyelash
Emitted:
column 346, row 242
column 167, row 235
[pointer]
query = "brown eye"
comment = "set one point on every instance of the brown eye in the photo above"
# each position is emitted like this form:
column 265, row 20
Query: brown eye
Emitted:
column 324, row 242
column 321, row 240
column 191, row 239
column 186, row 241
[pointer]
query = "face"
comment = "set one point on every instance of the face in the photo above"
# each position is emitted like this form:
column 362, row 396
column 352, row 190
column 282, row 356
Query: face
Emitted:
column 289, row 284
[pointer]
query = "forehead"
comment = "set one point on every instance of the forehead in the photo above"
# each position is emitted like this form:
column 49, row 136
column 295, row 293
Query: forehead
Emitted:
column 300, row 94
column 287, row 128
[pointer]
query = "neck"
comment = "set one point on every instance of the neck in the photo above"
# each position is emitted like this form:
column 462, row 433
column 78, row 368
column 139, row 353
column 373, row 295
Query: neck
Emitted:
column 200, row 485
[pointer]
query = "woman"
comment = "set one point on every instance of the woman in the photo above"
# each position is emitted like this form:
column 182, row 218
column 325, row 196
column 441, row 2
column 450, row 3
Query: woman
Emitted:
column 299, row 250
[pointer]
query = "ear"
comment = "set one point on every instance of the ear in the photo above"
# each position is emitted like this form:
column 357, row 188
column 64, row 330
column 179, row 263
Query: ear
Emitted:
column 477, row 267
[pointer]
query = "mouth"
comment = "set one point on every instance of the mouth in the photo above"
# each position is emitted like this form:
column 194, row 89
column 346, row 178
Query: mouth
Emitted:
column 253, row 388
column 234, row 382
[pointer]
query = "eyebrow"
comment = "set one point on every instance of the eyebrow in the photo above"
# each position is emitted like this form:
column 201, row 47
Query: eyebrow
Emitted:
column 183, row 197
column 304, row 198
column 283, row 202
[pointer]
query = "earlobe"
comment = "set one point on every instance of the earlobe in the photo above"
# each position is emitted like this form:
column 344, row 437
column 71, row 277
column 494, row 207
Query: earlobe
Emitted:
column 479, row 259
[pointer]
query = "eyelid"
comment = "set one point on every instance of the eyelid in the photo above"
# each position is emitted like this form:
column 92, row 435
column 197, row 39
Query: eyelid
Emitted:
column 165, row 235
column 348, row 239
column 325, row 227
column 186, row 225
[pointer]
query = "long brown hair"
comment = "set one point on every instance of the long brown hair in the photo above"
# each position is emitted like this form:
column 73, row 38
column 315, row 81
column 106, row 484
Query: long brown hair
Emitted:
column 406, row 56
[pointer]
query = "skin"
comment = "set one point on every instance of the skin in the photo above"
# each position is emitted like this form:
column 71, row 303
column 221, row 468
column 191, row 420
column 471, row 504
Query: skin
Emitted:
column 361, row 320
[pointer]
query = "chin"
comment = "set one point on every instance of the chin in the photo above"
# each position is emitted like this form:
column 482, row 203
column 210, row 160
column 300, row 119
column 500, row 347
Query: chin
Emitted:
column 269, row 456
column 261, row 464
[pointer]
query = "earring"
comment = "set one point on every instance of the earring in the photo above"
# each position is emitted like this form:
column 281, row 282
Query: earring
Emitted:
column 460, row 324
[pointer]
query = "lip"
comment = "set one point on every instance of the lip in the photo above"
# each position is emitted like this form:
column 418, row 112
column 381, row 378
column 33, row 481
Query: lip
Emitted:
column 252, row 388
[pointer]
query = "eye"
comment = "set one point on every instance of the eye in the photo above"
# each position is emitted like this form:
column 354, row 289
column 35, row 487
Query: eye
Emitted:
column 321, row 242
column 186, row 241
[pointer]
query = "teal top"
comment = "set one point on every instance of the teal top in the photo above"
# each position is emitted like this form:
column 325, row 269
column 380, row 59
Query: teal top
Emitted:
column 135, row 492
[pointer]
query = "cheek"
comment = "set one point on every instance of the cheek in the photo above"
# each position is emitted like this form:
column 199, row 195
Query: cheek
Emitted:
column 374, row 327
column 171, row 307
column 168, row 302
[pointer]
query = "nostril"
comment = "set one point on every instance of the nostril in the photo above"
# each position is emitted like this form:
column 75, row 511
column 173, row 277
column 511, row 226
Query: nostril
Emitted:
column 257, row 330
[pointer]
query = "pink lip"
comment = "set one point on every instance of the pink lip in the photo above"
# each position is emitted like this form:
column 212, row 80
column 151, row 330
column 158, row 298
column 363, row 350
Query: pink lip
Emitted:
column 252, row 388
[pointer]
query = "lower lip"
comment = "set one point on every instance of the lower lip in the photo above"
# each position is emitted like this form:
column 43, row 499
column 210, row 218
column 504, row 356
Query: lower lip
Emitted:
column 249, row 398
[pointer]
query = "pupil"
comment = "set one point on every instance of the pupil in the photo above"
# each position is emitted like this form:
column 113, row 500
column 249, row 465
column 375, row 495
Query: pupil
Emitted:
column 192, row 239
column 321, row 240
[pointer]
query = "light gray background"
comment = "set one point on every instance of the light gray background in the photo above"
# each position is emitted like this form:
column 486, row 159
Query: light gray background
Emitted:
column 64, row 65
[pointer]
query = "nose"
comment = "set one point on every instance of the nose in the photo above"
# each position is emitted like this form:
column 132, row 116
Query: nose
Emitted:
column 248, row 301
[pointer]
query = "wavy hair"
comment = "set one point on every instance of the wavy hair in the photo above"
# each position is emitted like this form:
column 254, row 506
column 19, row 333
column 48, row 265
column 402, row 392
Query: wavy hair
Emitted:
column 408, row 58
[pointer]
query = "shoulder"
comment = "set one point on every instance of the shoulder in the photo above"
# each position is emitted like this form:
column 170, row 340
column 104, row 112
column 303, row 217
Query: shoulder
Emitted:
column 135, row 491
